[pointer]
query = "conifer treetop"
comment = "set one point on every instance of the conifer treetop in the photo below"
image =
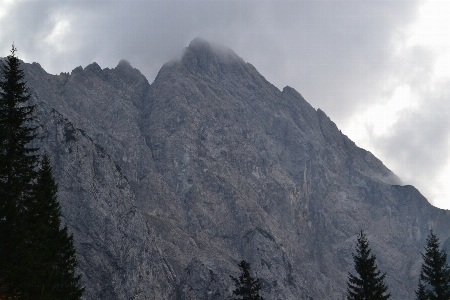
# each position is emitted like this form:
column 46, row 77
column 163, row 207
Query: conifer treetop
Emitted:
column 369, row 283
column 435, row 272
column 247, row 288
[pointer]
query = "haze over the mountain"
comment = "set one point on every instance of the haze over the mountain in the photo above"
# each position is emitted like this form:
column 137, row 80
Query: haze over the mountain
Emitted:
column 167, row 186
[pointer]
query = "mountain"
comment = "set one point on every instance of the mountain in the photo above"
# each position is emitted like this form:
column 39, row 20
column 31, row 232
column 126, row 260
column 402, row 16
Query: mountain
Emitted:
column 167, row 186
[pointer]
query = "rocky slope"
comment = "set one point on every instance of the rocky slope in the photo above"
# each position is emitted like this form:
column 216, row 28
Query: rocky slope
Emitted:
column 166, row 187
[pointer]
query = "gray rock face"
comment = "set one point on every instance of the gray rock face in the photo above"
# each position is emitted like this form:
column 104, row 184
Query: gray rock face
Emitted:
column 166, row 187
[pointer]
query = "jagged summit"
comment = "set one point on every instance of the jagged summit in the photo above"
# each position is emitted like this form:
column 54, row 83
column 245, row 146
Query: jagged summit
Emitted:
column 209, row 59
column 93, row 68
column 200, row 43
column 291, row 92
column 123, row 63
column 203, row 47
column 206, row 63
column 77, row 70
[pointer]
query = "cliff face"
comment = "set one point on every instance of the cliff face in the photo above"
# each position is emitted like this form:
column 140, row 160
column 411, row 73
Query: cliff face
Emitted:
column 166, row 187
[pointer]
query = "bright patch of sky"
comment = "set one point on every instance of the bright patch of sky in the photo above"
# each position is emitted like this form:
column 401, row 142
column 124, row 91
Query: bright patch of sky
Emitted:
column 56, row 38
column 421, row 95
column 433, row 31
column 378, row 119
column 5, row 5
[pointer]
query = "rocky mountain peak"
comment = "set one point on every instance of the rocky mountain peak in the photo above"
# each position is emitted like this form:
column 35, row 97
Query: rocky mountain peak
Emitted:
column 77, row 70
column 124, row 64
column 205, row 49
column 200, row 44
column 95, row 69
column 130, row 75
column 211, row 59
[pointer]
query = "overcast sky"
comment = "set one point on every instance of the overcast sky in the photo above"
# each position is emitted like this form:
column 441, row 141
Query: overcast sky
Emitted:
column 379, row 69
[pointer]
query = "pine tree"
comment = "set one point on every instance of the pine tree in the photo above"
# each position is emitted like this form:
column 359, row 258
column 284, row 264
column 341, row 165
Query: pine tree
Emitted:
column 435, row 272
column 247, row 288
column 67, row 283
column 421, row 293
column 369, row 284
column 37, row 256
column 17, row 172
column 54, row 265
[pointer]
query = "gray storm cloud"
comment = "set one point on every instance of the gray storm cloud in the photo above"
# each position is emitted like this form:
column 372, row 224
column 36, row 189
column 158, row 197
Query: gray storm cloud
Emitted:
column 417, row 145
column 333, row 52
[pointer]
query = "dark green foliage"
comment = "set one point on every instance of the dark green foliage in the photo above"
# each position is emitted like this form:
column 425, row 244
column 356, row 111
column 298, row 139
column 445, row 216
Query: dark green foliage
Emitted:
column 54, row 260
column 17, row 171
column 435, row 272
column 247, row 288
column 369, row 283
column 37, row 256
column 421, row 293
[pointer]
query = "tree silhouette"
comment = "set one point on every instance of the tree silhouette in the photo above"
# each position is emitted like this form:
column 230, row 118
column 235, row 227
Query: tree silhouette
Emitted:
column 18, row 163
column 369, row 283
column 55, row 262
column 247, row 288
column 435, row 272
column 37, row 256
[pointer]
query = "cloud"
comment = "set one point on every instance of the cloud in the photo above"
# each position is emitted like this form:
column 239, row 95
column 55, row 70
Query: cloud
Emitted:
column 416, row 147
column 334, row 52
column 408, row 128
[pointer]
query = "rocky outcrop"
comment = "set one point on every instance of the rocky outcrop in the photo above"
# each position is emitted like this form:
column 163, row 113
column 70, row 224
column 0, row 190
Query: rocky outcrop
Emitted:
column 167, row 186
